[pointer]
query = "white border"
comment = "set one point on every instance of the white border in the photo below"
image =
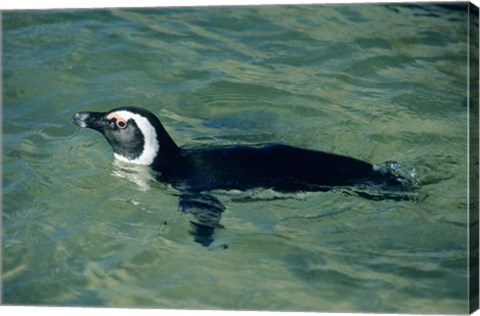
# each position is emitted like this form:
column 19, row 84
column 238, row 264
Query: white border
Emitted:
column 86, row 4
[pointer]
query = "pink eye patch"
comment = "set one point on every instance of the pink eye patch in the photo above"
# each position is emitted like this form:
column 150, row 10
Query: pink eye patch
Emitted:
column 120, row 121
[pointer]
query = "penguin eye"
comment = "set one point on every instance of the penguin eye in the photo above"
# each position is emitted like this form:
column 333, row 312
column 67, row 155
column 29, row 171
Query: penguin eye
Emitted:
column 121, row 124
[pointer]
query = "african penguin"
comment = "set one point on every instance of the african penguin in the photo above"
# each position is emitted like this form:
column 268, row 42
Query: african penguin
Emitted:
column 137, row 136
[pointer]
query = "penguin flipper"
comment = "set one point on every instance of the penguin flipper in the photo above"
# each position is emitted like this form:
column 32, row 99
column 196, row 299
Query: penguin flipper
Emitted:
column 207, row 211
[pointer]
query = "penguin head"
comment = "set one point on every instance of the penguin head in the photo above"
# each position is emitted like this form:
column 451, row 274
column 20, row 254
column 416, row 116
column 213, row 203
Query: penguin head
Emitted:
column 136, row 135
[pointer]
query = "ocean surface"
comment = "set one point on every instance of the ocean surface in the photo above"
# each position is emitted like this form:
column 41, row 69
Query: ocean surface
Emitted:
column 376, row 82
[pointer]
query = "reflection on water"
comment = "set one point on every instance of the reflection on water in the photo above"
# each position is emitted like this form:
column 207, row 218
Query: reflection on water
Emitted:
column 376, row 82
column 138, row 174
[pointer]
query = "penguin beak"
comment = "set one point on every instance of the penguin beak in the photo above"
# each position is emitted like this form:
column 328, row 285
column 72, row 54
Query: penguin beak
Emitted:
column 93, row 120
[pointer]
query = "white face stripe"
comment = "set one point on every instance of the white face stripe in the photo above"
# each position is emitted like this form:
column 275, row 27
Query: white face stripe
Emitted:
column 151, row 146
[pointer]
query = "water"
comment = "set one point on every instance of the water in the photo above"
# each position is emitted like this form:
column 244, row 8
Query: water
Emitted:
column 376, row 82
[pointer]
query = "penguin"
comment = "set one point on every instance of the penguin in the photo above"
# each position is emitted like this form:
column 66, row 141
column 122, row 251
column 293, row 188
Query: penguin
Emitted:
column 137, row 136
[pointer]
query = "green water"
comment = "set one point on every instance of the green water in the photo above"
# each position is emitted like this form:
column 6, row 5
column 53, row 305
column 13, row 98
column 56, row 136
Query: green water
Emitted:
column 371, row 81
